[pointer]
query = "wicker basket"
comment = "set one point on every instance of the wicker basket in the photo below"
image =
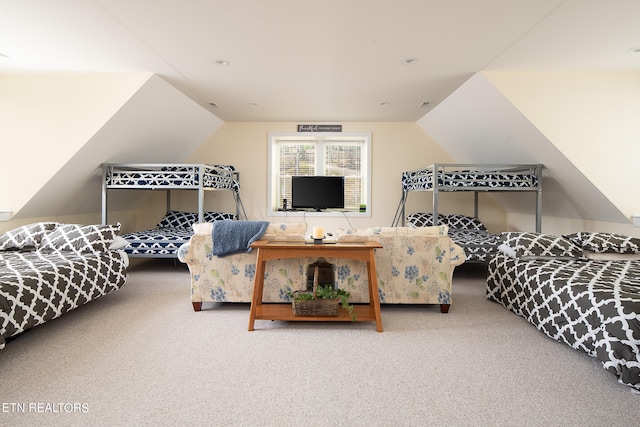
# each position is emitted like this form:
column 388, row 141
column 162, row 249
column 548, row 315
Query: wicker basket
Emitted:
column 315, row 307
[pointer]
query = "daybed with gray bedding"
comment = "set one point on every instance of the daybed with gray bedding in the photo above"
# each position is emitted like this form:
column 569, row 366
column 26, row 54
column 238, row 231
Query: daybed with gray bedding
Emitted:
column 581, row 289
column 48, row 269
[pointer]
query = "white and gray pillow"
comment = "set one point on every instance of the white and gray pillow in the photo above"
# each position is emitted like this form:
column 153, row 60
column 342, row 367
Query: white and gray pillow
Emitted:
column 530, row 245
column 26, row 236
column 80, row 239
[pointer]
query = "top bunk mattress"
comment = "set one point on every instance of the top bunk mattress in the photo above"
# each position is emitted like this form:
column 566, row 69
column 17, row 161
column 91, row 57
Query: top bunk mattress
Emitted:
column 470, row 177
column 179, row 176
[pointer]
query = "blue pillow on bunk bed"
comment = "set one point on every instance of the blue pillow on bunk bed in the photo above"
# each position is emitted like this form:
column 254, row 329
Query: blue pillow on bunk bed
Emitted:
column 180, row 219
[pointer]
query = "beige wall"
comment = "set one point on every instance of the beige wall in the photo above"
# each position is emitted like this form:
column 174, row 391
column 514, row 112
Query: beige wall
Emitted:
column 46, row 119
column 396, row 147
column 592, row 118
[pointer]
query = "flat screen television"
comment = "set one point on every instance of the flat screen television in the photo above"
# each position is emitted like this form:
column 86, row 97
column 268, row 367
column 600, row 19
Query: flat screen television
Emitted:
column 317, row 192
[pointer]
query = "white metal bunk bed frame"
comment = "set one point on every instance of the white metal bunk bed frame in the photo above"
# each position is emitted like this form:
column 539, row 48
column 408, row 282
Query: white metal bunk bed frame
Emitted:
column 471, row 169
column 198, row 170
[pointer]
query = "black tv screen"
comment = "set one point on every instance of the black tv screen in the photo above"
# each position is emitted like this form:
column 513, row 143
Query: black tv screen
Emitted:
column 317, row 192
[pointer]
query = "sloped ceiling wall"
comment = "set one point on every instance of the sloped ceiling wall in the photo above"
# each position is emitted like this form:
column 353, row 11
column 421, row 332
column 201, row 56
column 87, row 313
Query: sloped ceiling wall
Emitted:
column 156, row 124
column 46, row 119
column 479, row 124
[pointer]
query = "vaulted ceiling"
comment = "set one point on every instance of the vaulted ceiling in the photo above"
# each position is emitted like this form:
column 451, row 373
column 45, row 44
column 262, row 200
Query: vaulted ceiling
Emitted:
column 335, row 60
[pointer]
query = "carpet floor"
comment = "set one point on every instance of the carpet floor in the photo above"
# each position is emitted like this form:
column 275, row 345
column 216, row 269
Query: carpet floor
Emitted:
column 142, row 356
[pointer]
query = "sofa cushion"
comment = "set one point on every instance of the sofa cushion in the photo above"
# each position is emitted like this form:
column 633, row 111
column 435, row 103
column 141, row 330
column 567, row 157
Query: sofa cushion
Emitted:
column 26, row 236
column 80, row 239
column 358, row 235
column 286, row 231
column 286, row 228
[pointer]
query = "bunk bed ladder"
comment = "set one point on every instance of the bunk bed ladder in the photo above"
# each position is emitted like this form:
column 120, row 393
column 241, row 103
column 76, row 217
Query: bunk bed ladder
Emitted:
column 399, row 217
column 240, row 212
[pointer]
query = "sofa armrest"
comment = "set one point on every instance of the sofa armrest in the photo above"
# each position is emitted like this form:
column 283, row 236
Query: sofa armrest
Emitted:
column 456, row 254
column 198, row 247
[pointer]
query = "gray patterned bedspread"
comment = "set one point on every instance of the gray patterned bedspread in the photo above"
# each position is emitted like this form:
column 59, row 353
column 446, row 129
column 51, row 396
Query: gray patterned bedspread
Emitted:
column 593, row 306
column 36, row 287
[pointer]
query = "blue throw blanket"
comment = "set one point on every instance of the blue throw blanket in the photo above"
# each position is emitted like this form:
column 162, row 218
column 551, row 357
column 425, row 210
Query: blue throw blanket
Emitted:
column 231, row 237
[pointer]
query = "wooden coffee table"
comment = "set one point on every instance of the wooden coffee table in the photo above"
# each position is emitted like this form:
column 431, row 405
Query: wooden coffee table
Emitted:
column 268, row 250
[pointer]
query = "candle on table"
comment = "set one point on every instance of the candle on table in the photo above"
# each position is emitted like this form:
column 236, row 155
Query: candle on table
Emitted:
column 318, row 232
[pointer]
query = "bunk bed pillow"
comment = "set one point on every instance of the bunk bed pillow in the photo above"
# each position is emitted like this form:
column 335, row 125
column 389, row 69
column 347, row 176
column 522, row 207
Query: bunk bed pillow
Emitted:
column 605, row 242
column 463, row 222
column 80, row 239
column 422, row 219
column 26, row 236
column 529, row 245
column 180, row 219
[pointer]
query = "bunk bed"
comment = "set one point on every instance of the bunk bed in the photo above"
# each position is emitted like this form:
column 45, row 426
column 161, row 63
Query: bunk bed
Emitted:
column 479, row 244
column 175, row 228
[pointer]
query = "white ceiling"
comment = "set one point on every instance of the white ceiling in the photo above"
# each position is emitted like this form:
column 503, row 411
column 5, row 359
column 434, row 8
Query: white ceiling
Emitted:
column 331, row 60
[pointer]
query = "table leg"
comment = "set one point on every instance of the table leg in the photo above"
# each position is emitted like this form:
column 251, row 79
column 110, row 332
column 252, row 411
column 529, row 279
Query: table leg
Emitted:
column 258, row 285
column 374, row 299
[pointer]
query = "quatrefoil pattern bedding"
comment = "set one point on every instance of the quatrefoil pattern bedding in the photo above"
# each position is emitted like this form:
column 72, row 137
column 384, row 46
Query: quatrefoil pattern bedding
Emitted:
column 44, row 274
column 214, row 176
column 425, row 179
column 468, row 232
column 591, row 305
column 173, row 230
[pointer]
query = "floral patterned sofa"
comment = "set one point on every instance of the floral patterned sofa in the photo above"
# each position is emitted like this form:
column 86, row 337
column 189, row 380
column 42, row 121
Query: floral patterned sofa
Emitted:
column 414, row 266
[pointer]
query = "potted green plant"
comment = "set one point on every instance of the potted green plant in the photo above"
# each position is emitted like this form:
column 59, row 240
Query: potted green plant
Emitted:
column 322, row 301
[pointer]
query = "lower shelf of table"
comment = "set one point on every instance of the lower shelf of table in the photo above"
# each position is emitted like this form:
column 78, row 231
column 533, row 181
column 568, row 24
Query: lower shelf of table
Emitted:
column 275, row 311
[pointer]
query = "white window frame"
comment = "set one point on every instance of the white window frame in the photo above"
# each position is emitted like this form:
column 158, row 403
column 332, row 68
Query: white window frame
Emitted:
column 319, row 137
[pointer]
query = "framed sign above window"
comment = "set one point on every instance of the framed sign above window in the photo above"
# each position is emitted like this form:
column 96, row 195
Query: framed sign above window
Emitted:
column 346, row 155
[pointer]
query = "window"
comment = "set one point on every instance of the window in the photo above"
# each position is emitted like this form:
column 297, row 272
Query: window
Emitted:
column 332, row 154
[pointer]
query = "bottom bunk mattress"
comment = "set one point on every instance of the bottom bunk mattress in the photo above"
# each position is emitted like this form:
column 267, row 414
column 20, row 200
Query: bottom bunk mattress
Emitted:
column 173, row 230
column 157, row 242
column 591, row 305
column 467, row 232
column 478, row 245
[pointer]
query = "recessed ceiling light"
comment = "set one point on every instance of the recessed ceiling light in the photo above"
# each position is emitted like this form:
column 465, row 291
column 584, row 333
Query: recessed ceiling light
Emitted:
column 384, row 103
column 222, row 62
column 253, row 104
column 424, row 103
column 409, row 61
column 4, row 55
column 213, row 104
column 634, row 50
